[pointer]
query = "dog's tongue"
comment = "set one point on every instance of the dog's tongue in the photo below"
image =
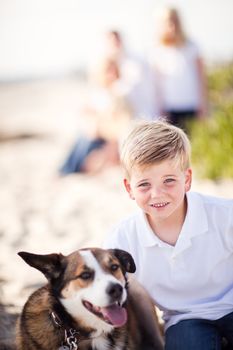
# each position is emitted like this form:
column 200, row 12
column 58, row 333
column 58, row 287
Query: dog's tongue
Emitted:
column 116, row 315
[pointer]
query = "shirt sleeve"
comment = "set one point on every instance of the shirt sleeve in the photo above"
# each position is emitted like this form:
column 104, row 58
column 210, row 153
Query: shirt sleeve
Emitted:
column 224, row 222
column 116, row 239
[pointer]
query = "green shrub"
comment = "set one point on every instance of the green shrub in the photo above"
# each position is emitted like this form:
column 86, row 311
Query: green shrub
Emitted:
column 220, row 84
column 212, row 144
column 221, row 78
column 212, row 139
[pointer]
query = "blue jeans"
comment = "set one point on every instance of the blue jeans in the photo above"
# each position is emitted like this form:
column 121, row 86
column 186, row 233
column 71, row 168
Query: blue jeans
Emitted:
column 78, row 154
column 198, row 334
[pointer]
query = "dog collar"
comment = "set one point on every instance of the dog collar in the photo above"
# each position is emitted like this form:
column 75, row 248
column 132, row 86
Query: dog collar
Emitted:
column 71, row 335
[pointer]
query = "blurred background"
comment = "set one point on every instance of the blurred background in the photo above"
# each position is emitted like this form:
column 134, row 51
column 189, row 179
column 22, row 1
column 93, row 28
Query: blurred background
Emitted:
column 47, row 50
column 55, row 37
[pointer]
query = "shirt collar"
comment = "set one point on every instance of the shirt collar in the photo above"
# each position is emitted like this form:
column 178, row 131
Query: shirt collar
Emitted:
column 196, row 219
column 147, row 238
column 195, row 224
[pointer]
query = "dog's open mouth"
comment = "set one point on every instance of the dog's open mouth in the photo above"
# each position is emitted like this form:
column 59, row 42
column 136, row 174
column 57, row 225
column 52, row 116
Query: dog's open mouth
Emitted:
column 114, row 314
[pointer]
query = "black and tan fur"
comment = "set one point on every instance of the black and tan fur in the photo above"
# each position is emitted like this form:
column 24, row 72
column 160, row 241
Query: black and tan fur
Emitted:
column 74, row 283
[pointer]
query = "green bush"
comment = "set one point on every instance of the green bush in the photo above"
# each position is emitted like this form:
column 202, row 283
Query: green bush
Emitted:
column 220, row 84
column 212, row 144
column 212, row 139
column 221, row 78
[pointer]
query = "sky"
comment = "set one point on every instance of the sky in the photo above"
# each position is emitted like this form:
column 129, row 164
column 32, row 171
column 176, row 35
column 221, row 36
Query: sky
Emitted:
column 45, row 37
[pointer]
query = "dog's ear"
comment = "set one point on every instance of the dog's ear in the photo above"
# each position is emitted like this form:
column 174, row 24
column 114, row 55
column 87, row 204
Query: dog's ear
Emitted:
column 51, row 265
column 125, row 259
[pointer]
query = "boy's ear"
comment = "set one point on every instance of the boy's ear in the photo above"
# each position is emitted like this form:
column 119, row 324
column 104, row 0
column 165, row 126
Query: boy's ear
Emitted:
column 128, row 188
column 188, row 179
column 51, row 265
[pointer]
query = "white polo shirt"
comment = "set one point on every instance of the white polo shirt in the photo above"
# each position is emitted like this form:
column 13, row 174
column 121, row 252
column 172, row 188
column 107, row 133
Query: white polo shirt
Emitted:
column 194, row 278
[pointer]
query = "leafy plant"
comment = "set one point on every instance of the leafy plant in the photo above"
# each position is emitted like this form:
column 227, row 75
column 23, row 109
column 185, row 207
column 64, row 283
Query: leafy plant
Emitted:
column 212, row 145
column 212, row 140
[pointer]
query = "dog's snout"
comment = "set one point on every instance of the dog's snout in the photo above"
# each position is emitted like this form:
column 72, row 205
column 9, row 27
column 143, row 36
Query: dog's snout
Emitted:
column 115, row 291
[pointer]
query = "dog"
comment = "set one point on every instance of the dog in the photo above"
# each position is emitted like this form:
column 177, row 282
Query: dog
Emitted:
column 88, row 304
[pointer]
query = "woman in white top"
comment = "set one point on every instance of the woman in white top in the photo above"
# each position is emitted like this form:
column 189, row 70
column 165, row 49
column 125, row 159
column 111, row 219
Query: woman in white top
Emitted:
column 179, row 68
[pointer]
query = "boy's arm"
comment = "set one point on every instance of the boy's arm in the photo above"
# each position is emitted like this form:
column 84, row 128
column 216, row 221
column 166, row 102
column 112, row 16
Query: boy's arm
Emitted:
column 114, row 240
column 203, row 108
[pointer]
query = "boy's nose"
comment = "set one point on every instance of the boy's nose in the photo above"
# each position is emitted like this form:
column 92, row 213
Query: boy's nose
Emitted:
column 156, row 192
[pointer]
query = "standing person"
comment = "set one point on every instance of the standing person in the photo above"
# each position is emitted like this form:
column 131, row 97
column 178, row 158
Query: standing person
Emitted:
column 137, row 76
column 181, row 241
column 179, row 71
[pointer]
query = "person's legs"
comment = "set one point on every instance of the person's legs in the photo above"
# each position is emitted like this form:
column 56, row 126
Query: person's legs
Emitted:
column 78, row 154
column 193, row 335
column 101, row 158
column 181, row 118
column 225, row 325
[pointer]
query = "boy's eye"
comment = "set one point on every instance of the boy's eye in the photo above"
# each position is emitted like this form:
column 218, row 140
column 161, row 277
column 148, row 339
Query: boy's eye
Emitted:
column 169, row 180
column 144, row 184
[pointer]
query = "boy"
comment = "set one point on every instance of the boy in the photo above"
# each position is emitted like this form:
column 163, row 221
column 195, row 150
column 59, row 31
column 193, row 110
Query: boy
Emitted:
column 182, row 242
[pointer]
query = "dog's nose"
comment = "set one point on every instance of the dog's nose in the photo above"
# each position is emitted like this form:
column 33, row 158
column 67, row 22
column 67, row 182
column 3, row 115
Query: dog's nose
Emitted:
column 115, row 290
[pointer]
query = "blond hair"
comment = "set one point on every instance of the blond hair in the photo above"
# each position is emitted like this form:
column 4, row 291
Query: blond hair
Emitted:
column 180, row 37
column 155, row 141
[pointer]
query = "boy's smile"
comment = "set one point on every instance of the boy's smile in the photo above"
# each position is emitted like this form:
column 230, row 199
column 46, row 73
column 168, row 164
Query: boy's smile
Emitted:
column 159, row 205
column 159, row 190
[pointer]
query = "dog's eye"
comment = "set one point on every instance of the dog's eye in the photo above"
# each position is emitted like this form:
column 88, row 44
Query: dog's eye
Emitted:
column 85, row 275
column 114, row 267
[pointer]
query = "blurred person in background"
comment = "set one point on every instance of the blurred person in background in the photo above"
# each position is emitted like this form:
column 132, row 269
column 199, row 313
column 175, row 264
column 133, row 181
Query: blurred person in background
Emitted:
column 181, row 86
column 106, row 115
column 137, row 77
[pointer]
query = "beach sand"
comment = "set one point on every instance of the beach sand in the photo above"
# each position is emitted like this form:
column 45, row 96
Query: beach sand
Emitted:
column 41, row 212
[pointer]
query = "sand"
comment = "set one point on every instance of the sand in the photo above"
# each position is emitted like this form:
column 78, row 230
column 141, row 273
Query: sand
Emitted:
column 41, row 212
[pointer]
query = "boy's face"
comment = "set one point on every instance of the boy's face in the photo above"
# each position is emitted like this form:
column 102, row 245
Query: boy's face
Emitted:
column 159, row 189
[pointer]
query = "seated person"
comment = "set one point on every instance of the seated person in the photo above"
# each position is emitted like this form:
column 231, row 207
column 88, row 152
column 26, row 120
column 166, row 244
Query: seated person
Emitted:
column 107, row 115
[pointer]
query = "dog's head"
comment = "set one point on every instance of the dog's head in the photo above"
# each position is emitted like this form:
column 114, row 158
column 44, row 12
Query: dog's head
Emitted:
column 91, row 283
